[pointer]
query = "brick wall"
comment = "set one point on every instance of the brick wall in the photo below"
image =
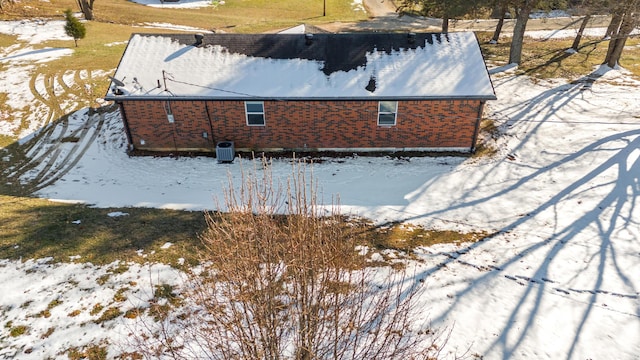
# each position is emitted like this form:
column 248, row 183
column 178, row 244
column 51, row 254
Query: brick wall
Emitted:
column 302, row 125
column 151, row 130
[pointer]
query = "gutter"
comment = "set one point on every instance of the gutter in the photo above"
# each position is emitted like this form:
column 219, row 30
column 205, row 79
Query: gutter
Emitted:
column 324, row 98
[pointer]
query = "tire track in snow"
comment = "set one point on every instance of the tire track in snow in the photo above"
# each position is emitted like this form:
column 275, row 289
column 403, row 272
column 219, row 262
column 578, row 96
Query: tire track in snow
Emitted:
column 55, row 149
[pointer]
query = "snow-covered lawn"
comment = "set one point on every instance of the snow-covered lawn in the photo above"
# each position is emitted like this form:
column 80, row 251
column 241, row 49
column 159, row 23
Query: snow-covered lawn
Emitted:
column 65, row 306
column 596, row 32
column 178, row 4
column 558, row 280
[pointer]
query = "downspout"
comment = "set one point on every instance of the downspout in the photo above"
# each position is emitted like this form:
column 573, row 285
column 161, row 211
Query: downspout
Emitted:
column 472, row 149
column 173, row 133
column 172, row 120
column 127, row 129
column 206, row 107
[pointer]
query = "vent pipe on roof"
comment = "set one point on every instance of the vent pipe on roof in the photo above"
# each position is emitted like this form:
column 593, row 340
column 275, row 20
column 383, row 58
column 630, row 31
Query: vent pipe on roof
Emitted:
column 308, row 39
column 199, row 38
column 371, row 86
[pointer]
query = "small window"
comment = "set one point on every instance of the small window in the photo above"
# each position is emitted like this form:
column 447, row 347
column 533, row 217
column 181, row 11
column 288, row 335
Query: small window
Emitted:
column 167, row 109
column 387, row 112
column 255, row 113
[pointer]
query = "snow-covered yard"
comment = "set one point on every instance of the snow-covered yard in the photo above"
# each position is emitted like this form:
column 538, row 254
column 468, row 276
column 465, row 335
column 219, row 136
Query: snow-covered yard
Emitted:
column 558, row 280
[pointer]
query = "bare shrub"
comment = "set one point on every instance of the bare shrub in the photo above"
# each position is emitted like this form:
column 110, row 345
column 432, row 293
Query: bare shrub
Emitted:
column 283, row 280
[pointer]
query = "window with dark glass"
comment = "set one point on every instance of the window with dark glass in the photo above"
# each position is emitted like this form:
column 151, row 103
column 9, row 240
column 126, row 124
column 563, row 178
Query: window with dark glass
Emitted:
column 387, row 111
column 255, row 113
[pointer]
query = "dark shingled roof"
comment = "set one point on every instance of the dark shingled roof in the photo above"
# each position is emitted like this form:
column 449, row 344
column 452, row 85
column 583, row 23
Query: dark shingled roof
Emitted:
column 339, row 52
column 299, row 66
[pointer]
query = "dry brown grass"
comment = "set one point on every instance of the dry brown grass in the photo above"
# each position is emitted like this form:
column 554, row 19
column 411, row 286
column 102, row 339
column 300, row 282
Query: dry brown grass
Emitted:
column 548, row 59
column 36, row 228
column 234, row 16
column 489, row 132
column 407, row 237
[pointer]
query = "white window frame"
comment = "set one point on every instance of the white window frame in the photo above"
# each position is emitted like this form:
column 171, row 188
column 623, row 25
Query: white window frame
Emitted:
column 394, row 112
column 247, row 112
column 167, row 109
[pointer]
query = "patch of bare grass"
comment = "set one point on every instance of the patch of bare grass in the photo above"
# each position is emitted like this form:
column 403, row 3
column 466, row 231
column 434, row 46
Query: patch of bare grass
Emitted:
column 36, row 228
column 46, row 313
column 7, row 40
column 234, row 16
column 109, row 314
column 546, row 59
column 90, row 352
column 96, row 309
column 15, row 331
column 9, row 114
column 5, row 115
column 631, row 58
column 47, row 333
column 133, row 313
column 489, row 132
column 120, row 296
column 406, row 237
column 6, row 140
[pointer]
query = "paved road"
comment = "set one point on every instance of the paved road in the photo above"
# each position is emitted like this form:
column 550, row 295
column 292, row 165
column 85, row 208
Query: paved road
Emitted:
column 377, row 8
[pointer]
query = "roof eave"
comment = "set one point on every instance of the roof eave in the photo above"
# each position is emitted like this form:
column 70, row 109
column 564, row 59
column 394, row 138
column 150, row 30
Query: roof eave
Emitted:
column 269, row 98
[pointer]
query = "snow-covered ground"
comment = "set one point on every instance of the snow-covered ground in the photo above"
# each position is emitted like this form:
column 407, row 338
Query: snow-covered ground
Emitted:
column 558, row 280
column 178, row 4
column 355, row 4
column 30, row 103
column 597, row 32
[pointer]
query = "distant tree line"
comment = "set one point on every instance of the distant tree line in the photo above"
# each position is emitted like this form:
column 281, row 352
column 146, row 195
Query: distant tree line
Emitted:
column 625, row 16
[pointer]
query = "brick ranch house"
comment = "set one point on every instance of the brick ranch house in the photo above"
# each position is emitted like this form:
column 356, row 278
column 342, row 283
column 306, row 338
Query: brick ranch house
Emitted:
column 354, row 92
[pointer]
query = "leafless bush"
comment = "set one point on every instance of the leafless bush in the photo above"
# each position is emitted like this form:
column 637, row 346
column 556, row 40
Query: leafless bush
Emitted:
column 284, row 281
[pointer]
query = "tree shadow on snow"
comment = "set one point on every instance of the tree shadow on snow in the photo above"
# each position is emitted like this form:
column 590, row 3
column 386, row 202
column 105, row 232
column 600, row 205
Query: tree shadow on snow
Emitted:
column 610, row 217
column 44, row 157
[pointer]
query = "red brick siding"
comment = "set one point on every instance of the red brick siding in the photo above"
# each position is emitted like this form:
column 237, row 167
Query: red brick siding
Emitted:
column 148, row 122
column 304, row 124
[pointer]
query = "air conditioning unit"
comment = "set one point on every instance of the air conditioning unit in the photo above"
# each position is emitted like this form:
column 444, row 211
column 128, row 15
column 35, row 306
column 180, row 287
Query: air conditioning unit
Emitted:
column 225, row 152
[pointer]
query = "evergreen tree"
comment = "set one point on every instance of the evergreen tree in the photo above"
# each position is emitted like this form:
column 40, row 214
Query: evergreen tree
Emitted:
column 74, row 27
